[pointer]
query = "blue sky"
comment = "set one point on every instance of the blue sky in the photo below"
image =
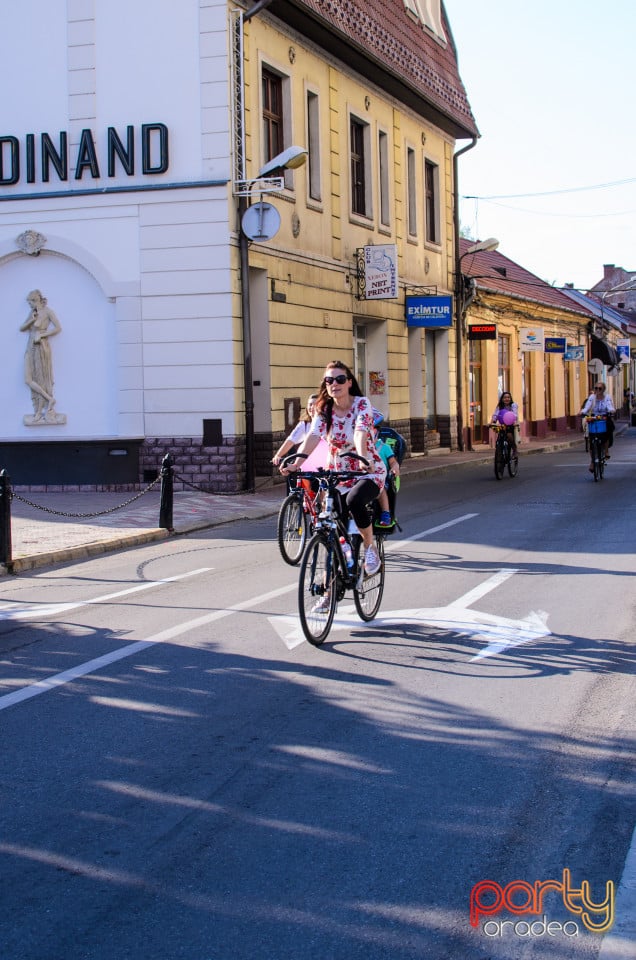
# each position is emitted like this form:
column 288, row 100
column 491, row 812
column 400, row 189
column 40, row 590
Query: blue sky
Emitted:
column 551, row 85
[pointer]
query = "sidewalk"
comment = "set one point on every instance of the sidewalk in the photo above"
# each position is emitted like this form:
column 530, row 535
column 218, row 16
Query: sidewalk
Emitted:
column 58, row 530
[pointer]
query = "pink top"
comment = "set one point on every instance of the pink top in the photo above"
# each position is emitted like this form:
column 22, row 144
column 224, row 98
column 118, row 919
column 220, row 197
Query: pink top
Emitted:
column 340, row 440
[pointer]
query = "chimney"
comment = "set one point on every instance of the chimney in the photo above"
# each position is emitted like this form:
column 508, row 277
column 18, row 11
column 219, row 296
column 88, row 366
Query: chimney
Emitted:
column 608, row 270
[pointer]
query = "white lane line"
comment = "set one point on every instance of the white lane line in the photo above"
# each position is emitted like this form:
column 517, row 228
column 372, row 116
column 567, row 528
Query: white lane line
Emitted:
column 426, row 533
column 82, row 669
column 618, row 944
column 34, row 613
column 483, row 588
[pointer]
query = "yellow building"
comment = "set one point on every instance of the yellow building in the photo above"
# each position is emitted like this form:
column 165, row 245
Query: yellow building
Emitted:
column 525, row 337
column 372, row 92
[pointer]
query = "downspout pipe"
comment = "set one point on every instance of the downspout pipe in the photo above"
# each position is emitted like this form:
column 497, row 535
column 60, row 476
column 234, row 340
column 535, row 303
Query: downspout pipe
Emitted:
column 248, row 385
column 459, row 336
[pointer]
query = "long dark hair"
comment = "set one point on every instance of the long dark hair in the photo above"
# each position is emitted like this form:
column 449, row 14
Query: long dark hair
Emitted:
column 305, row 415
column 506, row 393
column 324, row 403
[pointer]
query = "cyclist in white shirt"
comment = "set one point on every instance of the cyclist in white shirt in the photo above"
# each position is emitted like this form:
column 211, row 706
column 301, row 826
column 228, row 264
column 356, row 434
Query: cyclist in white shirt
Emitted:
column 600, row 405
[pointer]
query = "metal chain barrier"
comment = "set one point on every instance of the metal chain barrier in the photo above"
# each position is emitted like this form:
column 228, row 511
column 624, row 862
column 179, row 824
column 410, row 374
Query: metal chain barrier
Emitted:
column 211, row 493
column 84, row 516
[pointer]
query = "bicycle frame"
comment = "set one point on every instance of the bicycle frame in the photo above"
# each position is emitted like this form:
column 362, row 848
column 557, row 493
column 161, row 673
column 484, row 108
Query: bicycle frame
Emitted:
column 597, row 437
column 324, row 575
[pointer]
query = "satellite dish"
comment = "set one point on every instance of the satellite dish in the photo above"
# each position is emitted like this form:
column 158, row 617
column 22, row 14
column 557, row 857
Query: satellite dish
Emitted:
column 260, row 222
column 614, row 372
column 595, row 366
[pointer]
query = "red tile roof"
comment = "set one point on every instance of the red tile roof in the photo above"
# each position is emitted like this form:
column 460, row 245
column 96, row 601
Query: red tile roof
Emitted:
column 384, row 32
column 494, row 272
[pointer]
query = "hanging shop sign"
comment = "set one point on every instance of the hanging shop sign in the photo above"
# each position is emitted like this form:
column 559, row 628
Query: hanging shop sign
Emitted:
column 429, row 311
column 380, row 272
column 482, row 331
column 531, row 339
column 622, row 349
column 575, row 353
column 555, row 344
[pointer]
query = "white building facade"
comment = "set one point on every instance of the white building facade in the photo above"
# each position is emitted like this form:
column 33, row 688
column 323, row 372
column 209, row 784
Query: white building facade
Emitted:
column 114, row 172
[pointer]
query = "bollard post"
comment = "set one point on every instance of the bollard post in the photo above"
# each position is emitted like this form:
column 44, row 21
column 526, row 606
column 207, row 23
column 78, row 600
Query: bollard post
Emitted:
column 6, row 558
column 167, row 493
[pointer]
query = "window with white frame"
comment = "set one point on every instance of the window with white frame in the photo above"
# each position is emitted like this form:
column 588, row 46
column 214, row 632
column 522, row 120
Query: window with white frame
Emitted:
column 383, row 156
column 411, row 192
column 431, row 195
column 276, row 116
column 360, row 167
column 313, row 144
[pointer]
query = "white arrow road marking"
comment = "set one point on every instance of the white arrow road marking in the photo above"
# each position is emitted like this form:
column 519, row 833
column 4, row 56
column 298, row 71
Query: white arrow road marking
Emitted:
column 500, row 633
column 289, row 629
column 21, row 612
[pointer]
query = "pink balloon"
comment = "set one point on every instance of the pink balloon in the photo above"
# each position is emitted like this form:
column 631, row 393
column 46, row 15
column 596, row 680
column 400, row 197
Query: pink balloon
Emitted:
column 317, row 458
column 508, row 418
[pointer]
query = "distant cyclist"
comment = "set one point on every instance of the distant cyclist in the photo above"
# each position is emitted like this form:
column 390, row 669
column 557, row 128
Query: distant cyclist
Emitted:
column 507, row 414
column 600, row 405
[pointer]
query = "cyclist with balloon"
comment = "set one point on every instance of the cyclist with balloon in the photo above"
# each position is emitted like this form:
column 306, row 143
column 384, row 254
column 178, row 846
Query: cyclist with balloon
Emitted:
column 507, row 414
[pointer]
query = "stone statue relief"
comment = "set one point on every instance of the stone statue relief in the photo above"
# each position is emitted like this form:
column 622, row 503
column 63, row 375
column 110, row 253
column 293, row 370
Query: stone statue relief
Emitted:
column 41, row 325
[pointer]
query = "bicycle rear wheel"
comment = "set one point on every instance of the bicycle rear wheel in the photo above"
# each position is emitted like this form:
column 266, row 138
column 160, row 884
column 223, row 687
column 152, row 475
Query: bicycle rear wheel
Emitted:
column 292, row 528
column 500, row 462
column 367, row 594
column 317, row 589
column 513, row 464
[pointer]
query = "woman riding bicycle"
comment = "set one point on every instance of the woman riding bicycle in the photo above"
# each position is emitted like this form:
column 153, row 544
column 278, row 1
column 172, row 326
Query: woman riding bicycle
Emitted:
column 600, row 405
column 503, row 415
column 344, row 418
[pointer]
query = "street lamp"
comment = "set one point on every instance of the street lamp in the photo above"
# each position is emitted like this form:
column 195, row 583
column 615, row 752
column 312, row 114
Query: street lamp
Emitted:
column 291, row 158
column 481, row 246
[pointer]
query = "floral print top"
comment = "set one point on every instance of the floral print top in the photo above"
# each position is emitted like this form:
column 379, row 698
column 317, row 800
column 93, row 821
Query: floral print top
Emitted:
column 340, row 440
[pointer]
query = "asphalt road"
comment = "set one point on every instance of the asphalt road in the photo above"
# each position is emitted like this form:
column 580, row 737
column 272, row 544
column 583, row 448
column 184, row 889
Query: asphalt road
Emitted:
column 183, row 777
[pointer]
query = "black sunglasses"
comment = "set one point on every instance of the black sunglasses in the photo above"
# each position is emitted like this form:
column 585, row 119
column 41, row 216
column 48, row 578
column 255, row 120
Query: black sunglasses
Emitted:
column 341, row 378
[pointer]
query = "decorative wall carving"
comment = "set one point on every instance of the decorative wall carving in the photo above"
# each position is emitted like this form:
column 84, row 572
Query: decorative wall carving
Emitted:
column 41, row 325
column 31, row 242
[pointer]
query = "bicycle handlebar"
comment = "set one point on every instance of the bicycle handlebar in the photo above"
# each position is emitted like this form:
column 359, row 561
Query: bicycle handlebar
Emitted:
column 322, row 471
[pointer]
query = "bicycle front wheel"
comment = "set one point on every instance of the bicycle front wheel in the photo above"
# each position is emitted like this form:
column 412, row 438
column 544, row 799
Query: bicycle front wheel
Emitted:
column 500, row 462
column 513, row 464
column 367, row 594
column 317, row 589
column 595, row 449
column 292, row 528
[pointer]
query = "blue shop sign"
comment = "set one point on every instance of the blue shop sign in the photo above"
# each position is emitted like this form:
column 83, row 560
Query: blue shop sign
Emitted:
column 555, row 345
column 575, row 353
column 429, row 311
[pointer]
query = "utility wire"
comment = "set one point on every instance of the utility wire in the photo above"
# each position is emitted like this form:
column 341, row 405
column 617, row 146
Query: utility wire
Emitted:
column 549, row 193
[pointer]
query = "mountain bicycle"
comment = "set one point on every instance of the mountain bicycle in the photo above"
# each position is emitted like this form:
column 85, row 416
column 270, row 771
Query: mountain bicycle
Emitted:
column 597, row 434
column 333, row 560
column 505, row 453
column 296, row 518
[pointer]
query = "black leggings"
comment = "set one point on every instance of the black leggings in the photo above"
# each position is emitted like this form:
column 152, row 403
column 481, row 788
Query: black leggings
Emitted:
column 364, row 491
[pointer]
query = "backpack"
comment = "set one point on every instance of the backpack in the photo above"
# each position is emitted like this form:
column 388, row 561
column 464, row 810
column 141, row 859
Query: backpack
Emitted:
column 394, row 440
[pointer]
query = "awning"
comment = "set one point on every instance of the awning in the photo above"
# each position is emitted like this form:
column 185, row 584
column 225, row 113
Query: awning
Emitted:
column 601, row 350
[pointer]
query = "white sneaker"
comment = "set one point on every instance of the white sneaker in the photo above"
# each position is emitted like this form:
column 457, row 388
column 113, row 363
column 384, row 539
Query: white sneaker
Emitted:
column 323, row 605
column 372, row 562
